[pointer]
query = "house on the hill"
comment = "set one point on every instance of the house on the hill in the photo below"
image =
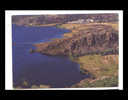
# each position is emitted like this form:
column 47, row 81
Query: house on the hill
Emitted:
column 89, row 20
column 81, row 21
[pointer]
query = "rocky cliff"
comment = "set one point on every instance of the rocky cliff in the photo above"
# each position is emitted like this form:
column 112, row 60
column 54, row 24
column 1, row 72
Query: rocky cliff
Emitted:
column 96, row 39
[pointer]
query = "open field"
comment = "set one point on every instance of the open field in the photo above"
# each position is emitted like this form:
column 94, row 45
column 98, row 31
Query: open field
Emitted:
column 75, row 28
column 103, row 68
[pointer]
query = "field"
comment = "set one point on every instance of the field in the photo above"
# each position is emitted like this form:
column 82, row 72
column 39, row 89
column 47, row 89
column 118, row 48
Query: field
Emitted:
column 75, row 28
column 104, row 70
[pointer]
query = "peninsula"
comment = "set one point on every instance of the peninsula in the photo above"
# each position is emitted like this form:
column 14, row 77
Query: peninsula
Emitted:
column 92, row 43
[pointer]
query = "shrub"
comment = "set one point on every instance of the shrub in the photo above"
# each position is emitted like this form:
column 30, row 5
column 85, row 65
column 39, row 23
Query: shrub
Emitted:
column 107, row 82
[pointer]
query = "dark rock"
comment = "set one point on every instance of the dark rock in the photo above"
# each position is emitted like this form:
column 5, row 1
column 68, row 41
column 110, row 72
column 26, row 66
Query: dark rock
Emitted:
column 91, row 41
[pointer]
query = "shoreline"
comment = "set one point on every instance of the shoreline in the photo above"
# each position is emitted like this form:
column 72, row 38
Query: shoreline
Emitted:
column 95, row 76
column 100, row 67
column 74, row 29
column 36, row 25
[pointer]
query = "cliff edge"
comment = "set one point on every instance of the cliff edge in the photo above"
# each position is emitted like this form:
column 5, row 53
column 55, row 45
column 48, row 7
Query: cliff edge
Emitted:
column 95, row 39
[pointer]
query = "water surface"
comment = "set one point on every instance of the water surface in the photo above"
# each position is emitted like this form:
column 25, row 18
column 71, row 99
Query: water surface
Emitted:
column 35, row 68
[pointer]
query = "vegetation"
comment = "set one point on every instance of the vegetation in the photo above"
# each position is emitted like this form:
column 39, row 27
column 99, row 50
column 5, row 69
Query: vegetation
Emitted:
column 40, row 86
column 107, row 82
column 103, row 68
column 40, row 20
column 75, row 28
column 99, row 65
column 101, row 61
column 25, row 83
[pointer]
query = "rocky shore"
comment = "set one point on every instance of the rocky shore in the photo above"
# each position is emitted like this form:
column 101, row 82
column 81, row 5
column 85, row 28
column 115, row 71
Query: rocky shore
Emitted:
column 94, row 47
column 97, row 39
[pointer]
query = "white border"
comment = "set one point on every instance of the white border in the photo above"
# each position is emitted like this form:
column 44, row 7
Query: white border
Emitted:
column 8, row 43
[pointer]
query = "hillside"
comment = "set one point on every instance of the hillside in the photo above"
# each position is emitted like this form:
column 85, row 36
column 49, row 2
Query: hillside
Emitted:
column 38, row 20
column 94, row 46
column 95, row 39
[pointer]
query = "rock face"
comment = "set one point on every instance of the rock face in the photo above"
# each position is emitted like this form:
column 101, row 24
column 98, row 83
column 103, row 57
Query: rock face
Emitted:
column 97, row 39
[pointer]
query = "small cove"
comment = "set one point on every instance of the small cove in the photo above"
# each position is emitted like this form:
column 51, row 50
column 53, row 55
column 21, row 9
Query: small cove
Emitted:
column 35, row 68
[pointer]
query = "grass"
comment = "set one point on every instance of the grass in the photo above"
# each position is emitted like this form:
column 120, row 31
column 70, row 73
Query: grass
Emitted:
column 113, row 25
column 103, row 68
column 99, row 65
column 75, row 28
column 40, row 86
column 107, row 82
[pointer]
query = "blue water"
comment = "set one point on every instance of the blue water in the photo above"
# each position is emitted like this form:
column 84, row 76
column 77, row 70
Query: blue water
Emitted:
column 35, row 68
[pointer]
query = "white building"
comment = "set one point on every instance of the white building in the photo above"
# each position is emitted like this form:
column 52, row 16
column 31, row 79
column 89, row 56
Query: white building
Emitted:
column 89, row 20
column 80, row 21
column 77, row 21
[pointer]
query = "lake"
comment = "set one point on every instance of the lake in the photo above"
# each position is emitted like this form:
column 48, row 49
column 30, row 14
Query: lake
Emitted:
column 37, row 69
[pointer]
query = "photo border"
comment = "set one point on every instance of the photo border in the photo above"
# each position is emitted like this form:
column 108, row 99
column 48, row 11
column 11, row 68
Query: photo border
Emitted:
column 8, row 44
